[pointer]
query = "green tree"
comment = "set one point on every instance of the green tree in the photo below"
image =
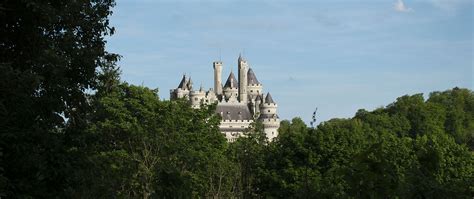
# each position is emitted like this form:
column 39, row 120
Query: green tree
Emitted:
column 49, row 56
column 143, row 147
column 459, row 107
column 123, row 148
column 247, row 153
column 446, row 169
column 291, row 168
column 383, row 169
column 404, row 150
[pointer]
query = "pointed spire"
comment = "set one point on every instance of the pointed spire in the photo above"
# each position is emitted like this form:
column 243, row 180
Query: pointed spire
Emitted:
column 251, row 78
column 269, row 99
column 190, row 84
column 231, row 81
column 183, row 82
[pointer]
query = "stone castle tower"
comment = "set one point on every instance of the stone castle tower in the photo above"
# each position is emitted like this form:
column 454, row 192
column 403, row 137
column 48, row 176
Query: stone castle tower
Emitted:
column 239, row 102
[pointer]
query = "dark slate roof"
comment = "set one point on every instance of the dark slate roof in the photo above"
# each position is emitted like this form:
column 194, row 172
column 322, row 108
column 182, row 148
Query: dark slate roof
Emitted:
column 258, row 98
column 269, row 99
column 190, row 84
column 231, row 81
column 183, row 82
column 251, row 78
column 234, row 112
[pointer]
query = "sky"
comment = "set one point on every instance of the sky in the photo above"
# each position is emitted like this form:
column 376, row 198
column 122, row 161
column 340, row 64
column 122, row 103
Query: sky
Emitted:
column 339, row 56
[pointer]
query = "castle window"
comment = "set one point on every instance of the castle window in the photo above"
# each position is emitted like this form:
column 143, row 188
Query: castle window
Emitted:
column 269, row 111
column 196, row 98
column 251, row 91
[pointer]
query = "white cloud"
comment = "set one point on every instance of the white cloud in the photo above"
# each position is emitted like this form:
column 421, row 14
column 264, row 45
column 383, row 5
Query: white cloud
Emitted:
column 399, row 6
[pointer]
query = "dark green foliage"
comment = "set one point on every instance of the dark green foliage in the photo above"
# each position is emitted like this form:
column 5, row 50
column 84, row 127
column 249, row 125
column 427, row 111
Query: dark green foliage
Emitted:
column 406, row 150
column 458, row 105
column 382, row 170
column 292, row 164
column 144, row 147
column 49, row 55
column 445, row 170
column 247, row 153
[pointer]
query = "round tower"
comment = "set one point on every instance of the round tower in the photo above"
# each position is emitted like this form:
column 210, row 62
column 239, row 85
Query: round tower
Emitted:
column 218, row 77
column 269, row 117
column 254, row 88
column 197, row 97
column 183, row 89
column 243, row 67
column 231, row 90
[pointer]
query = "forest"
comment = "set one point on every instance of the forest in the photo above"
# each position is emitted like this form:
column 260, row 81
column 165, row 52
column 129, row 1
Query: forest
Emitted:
column 70, row 127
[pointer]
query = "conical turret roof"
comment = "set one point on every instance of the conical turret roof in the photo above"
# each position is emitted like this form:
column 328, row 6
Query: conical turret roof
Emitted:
column 231, row 81
column 190, row 84
column 269, row 99
column 251, row 78
column 183, row 83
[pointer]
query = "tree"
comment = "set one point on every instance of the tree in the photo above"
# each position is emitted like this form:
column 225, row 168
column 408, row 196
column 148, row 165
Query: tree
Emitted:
column 291, row 163
column 247, row 152
column 446, row 169
column 404, row 150
column 142, row 147
column 383, row 169
column 49, row 56
column 459, row 107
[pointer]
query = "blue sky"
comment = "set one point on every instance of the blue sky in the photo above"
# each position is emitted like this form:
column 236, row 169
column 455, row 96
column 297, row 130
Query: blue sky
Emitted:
column 339, row 56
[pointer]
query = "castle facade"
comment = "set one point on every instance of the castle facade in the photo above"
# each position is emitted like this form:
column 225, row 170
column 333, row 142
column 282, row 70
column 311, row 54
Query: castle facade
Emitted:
column 239, row 102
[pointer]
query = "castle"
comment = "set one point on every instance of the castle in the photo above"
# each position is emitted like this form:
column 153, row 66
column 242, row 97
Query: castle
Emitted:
column 239, row 103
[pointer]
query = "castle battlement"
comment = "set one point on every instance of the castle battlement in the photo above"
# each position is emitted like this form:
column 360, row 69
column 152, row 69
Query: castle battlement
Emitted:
column 239, row 101
column 237, row 121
